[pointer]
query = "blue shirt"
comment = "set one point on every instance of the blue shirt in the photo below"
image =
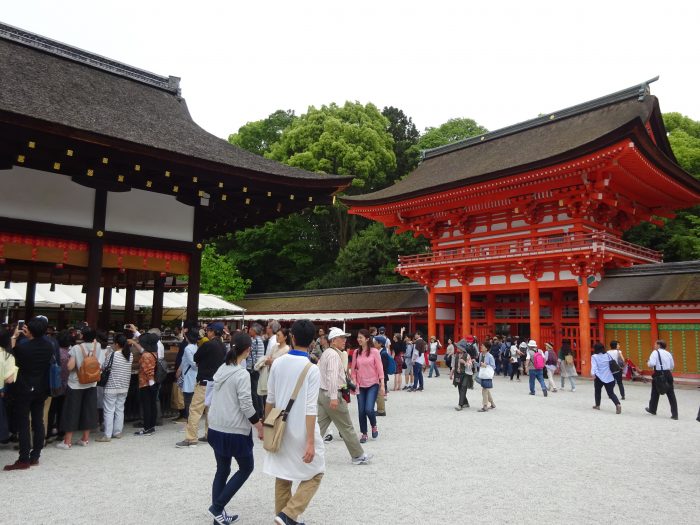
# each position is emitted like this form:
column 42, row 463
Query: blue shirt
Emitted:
column 600, row 367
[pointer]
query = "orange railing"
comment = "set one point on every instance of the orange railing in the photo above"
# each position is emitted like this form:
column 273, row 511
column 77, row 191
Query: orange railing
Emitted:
column 564, row 244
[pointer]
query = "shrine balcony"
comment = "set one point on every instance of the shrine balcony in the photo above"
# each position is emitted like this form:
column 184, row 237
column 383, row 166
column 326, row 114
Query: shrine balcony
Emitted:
column 560, row 246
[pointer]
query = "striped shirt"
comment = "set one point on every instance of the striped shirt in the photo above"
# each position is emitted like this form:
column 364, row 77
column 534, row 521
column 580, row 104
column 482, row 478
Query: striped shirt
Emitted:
column 332, row 372
column 257, row 350
column 120, row 376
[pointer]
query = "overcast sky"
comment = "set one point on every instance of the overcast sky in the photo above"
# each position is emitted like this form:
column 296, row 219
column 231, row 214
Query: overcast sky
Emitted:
column 498, row 62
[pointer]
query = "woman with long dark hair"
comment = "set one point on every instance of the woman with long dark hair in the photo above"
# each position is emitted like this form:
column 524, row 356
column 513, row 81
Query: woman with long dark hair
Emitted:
column 148, row 389
column 231, row 418
column 600, row 370
column 115, row 391
column 368, row 375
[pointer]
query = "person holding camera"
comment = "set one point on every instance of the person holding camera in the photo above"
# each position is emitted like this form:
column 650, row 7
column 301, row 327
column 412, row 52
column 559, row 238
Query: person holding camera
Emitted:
column 334, row 395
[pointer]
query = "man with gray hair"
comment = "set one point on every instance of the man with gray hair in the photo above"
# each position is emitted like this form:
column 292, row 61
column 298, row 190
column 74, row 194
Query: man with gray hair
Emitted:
column 257, row 350
column 270, row 337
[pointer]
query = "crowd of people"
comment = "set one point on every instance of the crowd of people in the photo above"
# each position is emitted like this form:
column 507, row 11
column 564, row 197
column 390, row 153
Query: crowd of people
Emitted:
column 236, row 381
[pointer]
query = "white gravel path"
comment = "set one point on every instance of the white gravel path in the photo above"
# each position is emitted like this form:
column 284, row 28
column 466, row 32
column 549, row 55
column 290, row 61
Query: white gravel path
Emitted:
column 532, row 460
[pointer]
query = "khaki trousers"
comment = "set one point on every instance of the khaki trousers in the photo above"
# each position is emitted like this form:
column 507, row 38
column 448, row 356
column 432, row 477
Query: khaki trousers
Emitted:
column 197, row 410
column 341, row 417
column 294, row 506
column 486, row 397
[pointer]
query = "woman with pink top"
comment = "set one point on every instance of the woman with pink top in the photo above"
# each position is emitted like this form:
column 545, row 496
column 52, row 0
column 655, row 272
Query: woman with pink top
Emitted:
column 368, row 375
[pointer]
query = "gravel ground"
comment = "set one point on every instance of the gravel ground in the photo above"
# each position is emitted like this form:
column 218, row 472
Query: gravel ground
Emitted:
column 532, row 460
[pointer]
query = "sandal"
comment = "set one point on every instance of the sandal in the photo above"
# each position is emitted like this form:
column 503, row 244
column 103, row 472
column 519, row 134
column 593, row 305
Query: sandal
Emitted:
column 83, row 443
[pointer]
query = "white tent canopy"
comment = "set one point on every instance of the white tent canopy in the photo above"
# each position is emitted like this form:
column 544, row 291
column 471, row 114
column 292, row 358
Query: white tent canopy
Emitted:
column 71, row 295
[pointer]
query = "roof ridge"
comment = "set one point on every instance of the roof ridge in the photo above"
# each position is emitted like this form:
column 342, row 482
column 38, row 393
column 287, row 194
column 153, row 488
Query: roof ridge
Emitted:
column 677, row 267
column 14, row 34
column 333, row 291
column 640, row 91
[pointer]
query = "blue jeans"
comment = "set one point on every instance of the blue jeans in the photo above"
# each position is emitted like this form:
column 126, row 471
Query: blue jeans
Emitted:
column 534, row 373
column 366, row 399
column 417, row 375
column 433, row 366
column 221, row 490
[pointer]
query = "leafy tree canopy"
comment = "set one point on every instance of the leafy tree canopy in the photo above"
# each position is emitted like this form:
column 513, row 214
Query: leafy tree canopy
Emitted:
column 259, row 136
column 348, row 140
column 684, row 136
column 370, row 258
column 453, row 130
column 220, row 276
column 406, row 135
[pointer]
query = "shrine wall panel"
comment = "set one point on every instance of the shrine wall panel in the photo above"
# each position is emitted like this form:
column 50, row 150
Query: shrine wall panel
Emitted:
column 41, row 196
column 151, row 214
column 444, row 314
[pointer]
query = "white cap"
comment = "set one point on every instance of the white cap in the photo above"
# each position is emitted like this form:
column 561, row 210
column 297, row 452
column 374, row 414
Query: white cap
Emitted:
column 532, row 343
column 336, row 332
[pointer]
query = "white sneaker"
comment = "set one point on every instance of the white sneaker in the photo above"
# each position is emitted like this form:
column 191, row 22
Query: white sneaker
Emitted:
column 362, row 460
column 63, row 445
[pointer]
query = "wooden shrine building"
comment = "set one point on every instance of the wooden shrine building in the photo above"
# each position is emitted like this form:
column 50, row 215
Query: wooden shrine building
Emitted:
column 524, row 221
column 108, row 182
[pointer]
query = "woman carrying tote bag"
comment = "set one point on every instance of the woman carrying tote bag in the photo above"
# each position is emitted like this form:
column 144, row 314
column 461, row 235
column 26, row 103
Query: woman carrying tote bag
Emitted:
column 487, row 364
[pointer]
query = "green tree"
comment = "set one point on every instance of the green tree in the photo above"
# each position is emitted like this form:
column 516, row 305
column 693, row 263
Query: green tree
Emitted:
column 285, row 254
column 679, row 238
column 259, row 136
column 348, row 140
column 220, row 276
column 405, row 134
column 370, row 258
column 453, row 130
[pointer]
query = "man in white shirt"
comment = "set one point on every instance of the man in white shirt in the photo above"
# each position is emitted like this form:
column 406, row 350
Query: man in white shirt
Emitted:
column 661, row 361
column 300, row 457
column 331, row 405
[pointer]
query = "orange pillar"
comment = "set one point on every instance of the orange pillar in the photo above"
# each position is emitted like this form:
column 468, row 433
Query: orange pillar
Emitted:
column 431, row 313
column 466, row 310
column 535, row 312
column 584, row 328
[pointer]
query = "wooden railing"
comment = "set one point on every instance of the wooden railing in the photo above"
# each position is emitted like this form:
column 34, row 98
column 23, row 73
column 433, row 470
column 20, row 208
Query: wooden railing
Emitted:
column 565, row 244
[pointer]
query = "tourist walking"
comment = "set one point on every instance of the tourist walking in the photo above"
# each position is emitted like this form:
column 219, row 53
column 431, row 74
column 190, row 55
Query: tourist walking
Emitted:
column 148, row 388
column 551, row 364
column 567, row 368
column 379, row 342
column 300, row 457
column 661, row 362
column 80, row 406
column 368, row 375
column 600, row 370
column 535, row 364
column 461, row 373
column 449, row 353
column 116, row 389
column 514, row 364
column 616, row 353
column 435, row 345
column 187, row 373
column 408, row 363
column 331, row 405
column 232, row 417
column 487, row 369
column 32, row 358
column 418, row 363
column 8, row 374
column 58, row 395
column 277, row 346
column 398, row 348
column 209, row 357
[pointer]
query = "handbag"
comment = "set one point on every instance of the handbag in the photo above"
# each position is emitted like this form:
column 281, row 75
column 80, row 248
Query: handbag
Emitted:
column 545, row 373
column 614, row 367
column 485, row 372
column 104, row 376
column 276, row 420
column 181, row 380
column 660, row 381
column 487, row 383
column 432, row 357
